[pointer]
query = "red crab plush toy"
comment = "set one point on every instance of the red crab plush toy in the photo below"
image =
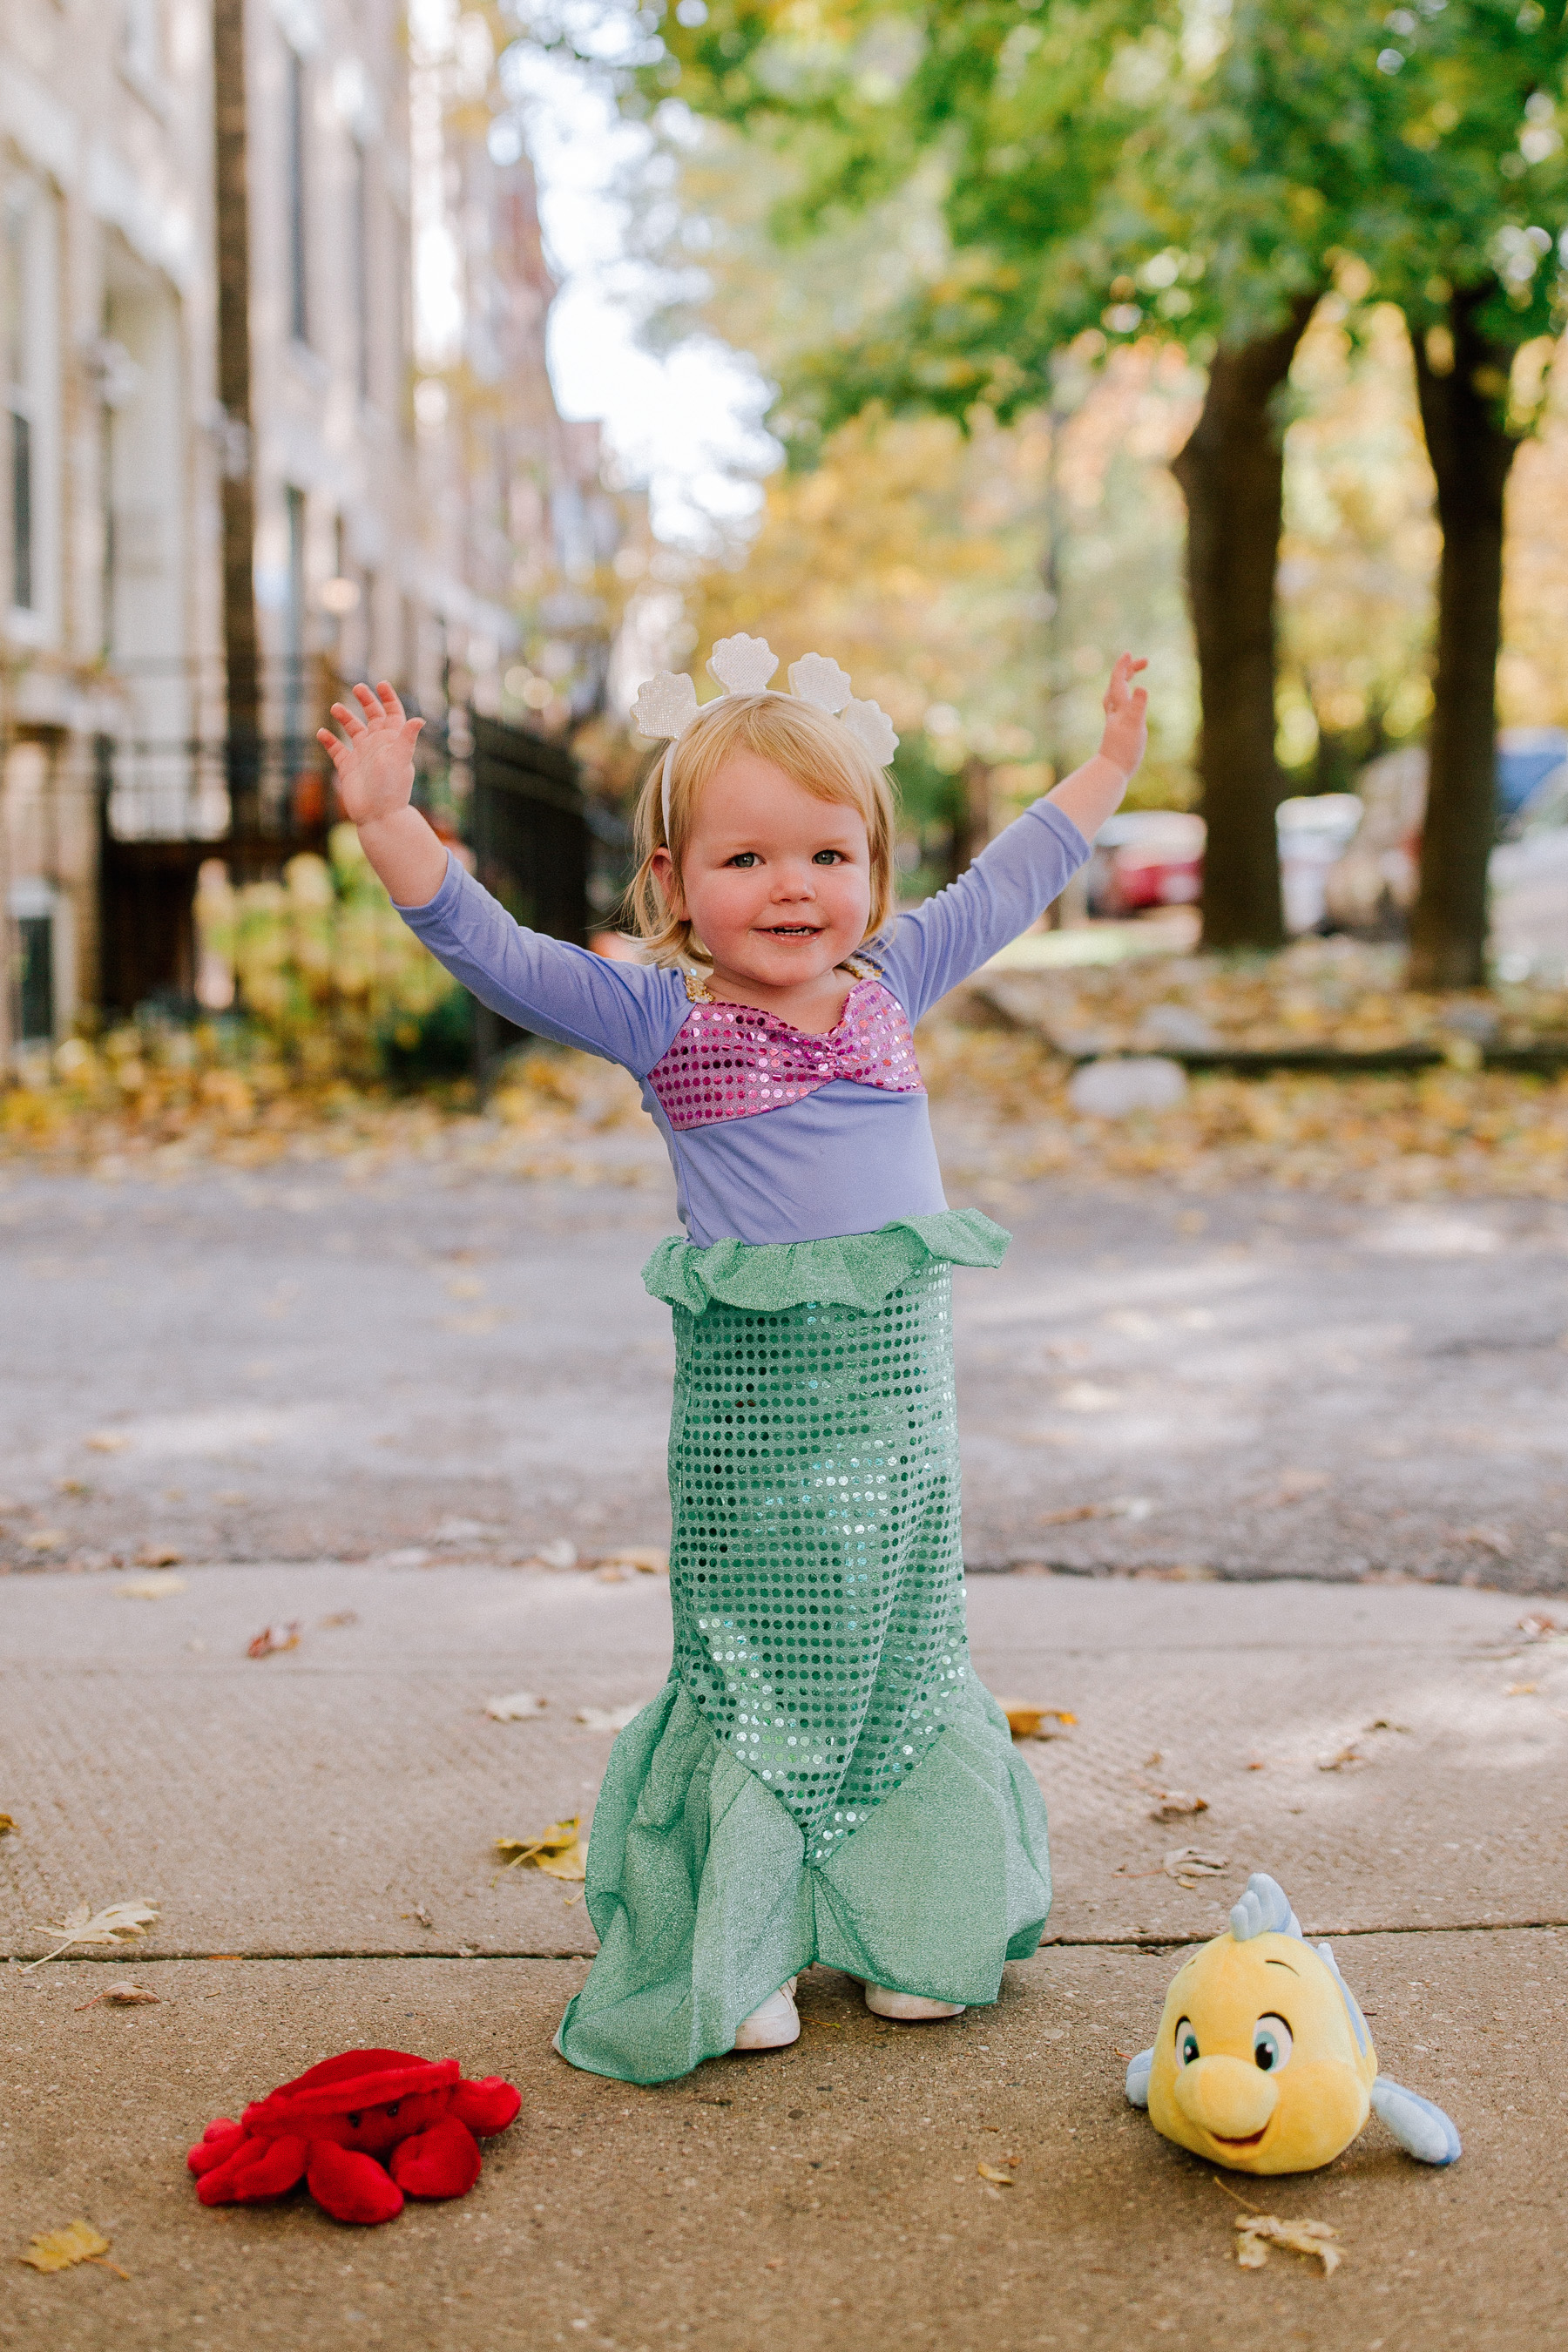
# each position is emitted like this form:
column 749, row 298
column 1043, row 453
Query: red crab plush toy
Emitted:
column 364, row 2131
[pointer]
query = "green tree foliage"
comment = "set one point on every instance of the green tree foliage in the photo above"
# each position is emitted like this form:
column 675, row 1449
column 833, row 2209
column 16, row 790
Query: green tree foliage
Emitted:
column 1199, row 169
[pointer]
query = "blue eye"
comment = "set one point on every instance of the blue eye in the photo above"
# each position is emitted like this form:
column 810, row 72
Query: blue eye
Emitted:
column 744, row 858
column 828, row 857
column 1271, row 2044
column 1187, row 2043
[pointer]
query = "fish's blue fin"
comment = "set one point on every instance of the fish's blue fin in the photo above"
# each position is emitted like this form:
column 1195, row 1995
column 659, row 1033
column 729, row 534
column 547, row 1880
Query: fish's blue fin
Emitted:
column 1138, row 2078
column 1423, row 2131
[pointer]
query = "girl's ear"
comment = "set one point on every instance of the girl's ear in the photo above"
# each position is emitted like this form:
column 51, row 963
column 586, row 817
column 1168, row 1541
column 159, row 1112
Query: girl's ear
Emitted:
column 662, row 865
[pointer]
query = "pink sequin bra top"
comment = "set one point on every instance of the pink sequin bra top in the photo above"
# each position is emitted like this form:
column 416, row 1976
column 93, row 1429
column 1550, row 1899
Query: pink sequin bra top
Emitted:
column 733, row 1061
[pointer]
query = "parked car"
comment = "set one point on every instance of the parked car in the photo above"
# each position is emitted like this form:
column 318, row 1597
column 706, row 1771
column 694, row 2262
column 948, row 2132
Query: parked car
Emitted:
column 1371, row 888
column 1147, row 857
column 1529, row 876
column 1315, row 829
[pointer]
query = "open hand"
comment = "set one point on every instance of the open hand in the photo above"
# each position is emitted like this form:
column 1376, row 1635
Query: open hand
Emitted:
column 1126, row 717
column 375, row 765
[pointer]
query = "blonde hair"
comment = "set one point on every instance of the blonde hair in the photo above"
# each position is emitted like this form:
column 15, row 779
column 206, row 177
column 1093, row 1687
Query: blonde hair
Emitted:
column 813, row 748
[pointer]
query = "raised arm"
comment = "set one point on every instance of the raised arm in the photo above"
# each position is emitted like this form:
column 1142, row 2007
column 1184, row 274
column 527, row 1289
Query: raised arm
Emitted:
column 624, row 1012
column 1030, row 863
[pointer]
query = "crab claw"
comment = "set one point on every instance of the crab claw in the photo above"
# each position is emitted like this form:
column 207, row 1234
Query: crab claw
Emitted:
column 215, row 2145
column 487, row 2105
column 350, row 2187
column 443, row 2161
column 255, row 2168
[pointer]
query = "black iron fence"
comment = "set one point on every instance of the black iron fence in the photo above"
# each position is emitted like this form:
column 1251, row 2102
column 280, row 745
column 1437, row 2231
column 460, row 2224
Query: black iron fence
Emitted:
column 552, row 857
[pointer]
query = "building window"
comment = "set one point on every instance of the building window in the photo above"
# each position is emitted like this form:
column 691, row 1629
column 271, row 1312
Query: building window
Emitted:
column 295, row 95
column 36, row 956
column 294, row 618
column 360, row 232
column 29, row 394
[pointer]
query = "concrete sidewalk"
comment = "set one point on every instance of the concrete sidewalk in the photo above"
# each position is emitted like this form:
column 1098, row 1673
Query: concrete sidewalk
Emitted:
column 1376, row 1749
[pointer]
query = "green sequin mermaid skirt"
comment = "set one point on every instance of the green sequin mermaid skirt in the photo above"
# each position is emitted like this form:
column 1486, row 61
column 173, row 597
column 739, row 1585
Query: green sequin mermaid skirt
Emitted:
column 821, row 1778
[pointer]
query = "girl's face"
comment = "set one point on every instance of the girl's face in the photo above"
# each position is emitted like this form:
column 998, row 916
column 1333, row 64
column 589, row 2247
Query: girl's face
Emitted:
column 777, row 883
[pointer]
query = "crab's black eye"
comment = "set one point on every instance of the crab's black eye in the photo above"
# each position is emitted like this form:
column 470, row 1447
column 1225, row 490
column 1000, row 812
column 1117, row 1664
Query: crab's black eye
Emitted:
column 1187, row 2043
column 354, row 2121
column 394, row 2107
column 1271, row 2044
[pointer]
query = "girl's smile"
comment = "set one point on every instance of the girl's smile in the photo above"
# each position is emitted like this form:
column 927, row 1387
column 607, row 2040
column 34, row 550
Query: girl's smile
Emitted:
column 777, row 886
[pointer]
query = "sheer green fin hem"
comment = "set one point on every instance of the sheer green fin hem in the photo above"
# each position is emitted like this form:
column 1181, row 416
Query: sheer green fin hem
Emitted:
column 704, row 1905
column 845, row 1270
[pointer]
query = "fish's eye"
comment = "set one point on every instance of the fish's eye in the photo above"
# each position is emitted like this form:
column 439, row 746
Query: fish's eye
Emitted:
column 1187, row 2043
column 354, row 2121
column 394, row 2107
column 1271, row 2044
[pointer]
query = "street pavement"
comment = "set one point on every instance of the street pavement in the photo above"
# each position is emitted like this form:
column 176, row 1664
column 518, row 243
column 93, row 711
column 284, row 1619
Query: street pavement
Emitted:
column 346, row 1361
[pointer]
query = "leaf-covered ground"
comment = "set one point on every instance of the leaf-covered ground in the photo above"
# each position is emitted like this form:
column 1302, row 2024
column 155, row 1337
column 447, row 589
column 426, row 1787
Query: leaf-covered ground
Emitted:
column 163, row 1102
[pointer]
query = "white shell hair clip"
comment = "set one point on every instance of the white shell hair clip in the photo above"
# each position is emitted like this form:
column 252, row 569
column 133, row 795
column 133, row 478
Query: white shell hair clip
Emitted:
column 667, row 705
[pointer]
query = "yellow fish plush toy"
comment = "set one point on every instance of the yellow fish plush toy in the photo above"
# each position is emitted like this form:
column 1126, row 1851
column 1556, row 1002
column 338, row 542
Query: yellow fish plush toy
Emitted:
column 1263, row 2061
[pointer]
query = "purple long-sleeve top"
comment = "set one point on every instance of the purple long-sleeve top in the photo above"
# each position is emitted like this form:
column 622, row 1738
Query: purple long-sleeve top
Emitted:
column 846, row 1158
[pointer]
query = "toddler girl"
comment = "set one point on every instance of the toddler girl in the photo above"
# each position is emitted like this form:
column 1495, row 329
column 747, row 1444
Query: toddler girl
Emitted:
column 822, row 1778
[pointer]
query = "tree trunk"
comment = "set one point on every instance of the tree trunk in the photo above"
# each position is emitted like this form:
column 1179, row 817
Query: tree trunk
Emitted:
column 1232, row 475
column 242, row 661
column 1461, row 399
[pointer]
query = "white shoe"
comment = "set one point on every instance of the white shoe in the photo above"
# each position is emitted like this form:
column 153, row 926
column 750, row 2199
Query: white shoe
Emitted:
column 773, row 2026
column 908, row 2007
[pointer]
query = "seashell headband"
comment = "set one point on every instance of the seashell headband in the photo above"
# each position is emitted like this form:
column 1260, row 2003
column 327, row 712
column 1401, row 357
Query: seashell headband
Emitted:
column 667, row 704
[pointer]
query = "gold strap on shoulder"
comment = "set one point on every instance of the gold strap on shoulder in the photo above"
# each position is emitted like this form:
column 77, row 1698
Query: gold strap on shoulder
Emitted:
column 696, row 990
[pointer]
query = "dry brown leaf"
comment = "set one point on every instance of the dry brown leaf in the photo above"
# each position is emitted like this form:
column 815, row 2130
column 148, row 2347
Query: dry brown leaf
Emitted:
column 558, row 1850
column 342, row 1617
column 644, row 1558
column 1186, row 1865
column 61, row 2250
column 272, row 1639
column 150, row 1588
column 123, row 1996
column 117, row 1923
column 7, row 1825
column 1174, row 1804
column 994, row 2173
column 1536, row 1628
column 1343, row 1761
column 1025, row 1719
column 1256, row 2232
column 158, row 1555
column 44, row 1539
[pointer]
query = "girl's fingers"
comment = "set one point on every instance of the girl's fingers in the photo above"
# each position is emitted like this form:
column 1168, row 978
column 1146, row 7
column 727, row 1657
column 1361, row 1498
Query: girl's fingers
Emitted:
column 389, row 700
column 364, row 696
column 410, row 729
column 349, row 719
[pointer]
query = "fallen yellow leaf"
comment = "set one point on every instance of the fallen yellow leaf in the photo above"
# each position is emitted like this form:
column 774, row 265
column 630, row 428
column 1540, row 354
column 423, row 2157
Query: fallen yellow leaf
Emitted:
column 44, row 1539
column 994, row 2173
column 1024, row 1719
column 108, row 1441
column 558, row 1850
column 158, row 1555
column 6, row 1824
column 1256, row 2232
column 150, row 1588
column 61, row 2250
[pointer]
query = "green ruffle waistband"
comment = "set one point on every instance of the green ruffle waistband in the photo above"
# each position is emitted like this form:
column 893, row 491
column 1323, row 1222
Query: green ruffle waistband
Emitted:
column 845, row 1270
